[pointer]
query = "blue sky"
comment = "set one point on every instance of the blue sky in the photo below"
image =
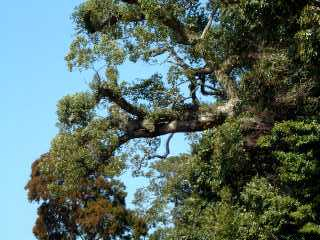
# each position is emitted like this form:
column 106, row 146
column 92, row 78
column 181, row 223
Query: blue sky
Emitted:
column 35, row 35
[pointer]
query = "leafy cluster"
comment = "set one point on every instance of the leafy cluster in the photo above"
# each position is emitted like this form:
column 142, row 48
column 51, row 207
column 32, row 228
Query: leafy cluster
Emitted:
column 95, row 210
column 229, row 193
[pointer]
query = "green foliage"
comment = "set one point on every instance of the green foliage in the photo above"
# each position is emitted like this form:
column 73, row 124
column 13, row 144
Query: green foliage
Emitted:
column 250, row 66
column 309, row 35
column 220, row 158
column 294, row 145
column 95, row 210
column 227, row 193
column 267, row 79
column 152, row 92
column 75, row 110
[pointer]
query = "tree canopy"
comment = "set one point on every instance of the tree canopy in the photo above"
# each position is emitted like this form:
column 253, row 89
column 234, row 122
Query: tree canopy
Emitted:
column 242, row 83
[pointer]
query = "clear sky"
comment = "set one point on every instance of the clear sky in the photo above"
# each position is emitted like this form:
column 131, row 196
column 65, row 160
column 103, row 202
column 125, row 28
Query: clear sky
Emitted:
column 35, row 35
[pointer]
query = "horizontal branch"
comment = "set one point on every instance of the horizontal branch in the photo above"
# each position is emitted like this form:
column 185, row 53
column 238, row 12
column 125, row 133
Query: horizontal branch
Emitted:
column 185, row 122
column 158, row 51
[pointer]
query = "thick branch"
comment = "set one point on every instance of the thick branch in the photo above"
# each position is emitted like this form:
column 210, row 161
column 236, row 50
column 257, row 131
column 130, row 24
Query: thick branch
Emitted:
column 175, row 126
column 188, row 121
column 181, row 34
column 223, row 76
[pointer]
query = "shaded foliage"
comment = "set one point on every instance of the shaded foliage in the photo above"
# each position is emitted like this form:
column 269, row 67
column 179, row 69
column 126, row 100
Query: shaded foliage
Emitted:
column 96, row 210
column 228, row 193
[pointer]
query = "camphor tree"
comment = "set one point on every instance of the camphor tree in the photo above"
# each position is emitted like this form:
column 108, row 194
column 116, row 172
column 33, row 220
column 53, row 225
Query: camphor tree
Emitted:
column 243, row 73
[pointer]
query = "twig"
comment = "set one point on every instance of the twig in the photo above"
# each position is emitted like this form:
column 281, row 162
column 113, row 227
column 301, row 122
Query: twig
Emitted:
column 206, row 29
column 167, row 148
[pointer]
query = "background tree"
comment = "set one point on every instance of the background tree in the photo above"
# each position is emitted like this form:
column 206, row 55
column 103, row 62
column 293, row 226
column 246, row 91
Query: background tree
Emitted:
column 244, row 72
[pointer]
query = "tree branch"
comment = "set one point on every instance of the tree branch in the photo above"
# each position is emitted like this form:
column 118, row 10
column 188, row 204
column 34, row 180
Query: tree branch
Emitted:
column 222, row 74
column 113, row 95
column 206, row 29
column 179, row 60
column 167, row 148
column 187, row 121
column 158, row 51
column 181, row 34
column 193, row 92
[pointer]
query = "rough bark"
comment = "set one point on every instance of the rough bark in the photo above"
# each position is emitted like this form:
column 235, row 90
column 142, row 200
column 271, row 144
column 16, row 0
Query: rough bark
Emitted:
column 187, row 121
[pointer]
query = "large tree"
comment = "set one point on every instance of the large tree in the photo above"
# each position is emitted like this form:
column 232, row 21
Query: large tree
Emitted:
column 235, row 69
